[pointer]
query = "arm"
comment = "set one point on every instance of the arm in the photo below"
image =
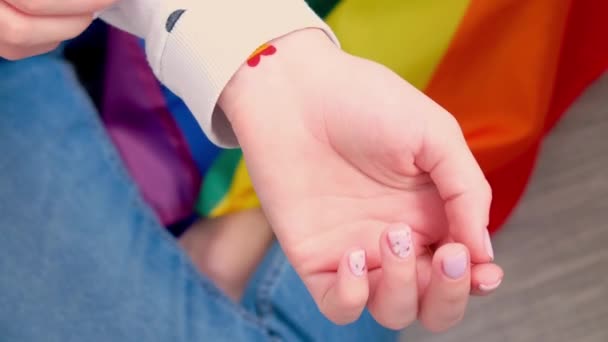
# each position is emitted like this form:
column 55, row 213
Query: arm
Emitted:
column 196, row 46
column 342, row 153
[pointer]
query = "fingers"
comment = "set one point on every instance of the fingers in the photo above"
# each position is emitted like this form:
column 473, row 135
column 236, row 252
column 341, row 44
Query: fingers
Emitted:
column 22, row 35
column 394, row 303
column 59, row 8
column 446, row 296
column 346, row 298
column 461, row 184
column 485, row 279
column 424, row 270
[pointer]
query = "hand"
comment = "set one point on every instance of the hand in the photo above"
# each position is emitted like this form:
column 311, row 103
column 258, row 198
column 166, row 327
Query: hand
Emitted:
column 342, row 151
column 33, row 27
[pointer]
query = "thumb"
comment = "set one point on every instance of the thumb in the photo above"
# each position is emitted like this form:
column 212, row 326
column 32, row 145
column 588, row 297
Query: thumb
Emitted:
column 466, row 193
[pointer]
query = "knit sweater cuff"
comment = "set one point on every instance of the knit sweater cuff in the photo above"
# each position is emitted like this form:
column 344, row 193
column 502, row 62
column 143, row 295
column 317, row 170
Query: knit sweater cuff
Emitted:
column 196, row 46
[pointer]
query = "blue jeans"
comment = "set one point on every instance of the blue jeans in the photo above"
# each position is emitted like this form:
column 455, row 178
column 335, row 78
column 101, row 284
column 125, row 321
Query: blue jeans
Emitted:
column 83, row 258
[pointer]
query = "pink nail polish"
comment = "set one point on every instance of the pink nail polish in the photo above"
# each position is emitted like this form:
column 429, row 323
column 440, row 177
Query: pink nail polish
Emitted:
column 488, row 244
column 490, row 287
column 356, row 261
column 400, row 241
column 455, row 266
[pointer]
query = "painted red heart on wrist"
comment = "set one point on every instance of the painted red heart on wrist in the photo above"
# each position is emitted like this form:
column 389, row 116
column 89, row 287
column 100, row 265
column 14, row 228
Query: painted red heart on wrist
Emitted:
column 264, row 50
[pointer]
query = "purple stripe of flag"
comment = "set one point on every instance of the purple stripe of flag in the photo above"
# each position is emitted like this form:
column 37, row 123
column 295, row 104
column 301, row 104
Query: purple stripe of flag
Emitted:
column 149, row 141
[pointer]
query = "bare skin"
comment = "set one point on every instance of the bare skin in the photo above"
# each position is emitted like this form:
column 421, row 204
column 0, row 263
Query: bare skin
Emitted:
column 228, row 249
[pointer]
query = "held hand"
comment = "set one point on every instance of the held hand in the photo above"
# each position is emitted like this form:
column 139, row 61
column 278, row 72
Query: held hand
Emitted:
column 33, row 27
column 344, row 154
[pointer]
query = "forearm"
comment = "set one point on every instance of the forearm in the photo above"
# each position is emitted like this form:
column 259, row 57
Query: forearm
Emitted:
column 196, row 46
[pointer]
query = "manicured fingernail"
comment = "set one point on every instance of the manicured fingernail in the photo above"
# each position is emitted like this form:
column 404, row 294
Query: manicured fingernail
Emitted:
column 454, row 266
column 356, row 261
column 490, row 287
column 488, row 244
column 400, row 241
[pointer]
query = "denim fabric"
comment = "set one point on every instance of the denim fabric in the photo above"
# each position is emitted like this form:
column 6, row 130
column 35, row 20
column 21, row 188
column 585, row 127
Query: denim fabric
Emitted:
column 83, row 258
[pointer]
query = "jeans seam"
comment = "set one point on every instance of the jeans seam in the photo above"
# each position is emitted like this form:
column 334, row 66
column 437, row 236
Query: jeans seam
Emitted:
column 268, row 284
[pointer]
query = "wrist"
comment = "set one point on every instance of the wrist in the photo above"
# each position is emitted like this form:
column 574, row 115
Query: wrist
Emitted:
column 195, row 48
column 277, row 70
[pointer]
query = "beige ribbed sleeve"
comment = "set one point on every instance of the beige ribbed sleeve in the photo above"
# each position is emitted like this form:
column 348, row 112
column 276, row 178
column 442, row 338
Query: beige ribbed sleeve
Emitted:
column 196, row 46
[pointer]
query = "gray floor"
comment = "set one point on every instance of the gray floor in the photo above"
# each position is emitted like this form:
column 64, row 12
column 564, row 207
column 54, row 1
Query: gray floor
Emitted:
column 555, row 248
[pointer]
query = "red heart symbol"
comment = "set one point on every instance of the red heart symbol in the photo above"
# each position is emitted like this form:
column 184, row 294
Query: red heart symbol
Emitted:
column 255, row 59
column 270, row 50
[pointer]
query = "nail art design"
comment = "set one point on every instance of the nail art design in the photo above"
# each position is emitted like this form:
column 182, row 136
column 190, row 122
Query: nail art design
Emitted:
column 401, row 242
column 256, row 56
column 356, row 261
column 455, row 266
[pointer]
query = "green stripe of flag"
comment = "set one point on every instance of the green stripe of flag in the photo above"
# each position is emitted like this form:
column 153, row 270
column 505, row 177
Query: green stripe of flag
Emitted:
column 218, row 180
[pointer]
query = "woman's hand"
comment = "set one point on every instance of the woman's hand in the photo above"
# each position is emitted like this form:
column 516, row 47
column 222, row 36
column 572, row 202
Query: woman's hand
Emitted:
column 352, row 163
column 33, row 27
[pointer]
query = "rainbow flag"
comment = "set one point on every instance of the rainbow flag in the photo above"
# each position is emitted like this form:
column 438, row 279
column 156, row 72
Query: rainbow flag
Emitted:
column 507, row 69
